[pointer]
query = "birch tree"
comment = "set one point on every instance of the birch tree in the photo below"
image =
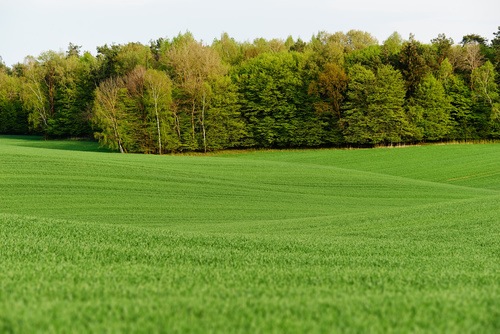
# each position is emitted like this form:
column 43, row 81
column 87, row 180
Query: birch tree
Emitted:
column 191, row 65
column 485, row 89
column 109, row 115
column 33, row 96
column 159, row 88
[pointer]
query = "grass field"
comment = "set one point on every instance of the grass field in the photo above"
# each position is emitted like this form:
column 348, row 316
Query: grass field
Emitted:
column 382, row 240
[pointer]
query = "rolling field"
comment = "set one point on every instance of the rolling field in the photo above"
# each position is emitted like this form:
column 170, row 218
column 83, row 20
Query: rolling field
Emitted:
column 382, row 240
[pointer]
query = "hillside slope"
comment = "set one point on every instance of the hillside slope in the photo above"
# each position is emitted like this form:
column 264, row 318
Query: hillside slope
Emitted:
column 319, row 241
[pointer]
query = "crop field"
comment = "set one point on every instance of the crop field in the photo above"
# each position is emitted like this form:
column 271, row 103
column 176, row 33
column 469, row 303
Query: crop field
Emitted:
column 391, row 240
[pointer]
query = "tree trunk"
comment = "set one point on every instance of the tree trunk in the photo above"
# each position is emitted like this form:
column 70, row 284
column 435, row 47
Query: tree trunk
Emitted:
column 203, row 124
column 192, row 118
column 158, row 125
column 115, row 129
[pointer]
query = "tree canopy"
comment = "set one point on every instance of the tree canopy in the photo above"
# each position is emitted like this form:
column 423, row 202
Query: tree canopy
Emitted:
column 179, row 94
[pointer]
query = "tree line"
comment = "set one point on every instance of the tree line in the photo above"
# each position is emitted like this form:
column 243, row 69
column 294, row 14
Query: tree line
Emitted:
column 337, row 89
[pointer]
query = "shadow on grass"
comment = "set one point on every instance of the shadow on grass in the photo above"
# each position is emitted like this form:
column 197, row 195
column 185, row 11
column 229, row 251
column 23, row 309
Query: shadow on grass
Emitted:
column 56, row 144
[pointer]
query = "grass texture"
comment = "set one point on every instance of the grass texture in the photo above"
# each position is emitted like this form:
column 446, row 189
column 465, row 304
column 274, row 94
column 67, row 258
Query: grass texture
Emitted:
column 382, row 240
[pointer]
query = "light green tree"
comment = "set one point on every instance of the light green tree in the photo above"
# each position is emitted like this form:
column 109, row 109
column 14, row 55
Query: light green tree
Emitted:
column 33, row 96
column 109, row 114
column 228, row 49
column 393, row 44
column 486, row 95
column 192, row 66
column 159, row 96
column 358, row 40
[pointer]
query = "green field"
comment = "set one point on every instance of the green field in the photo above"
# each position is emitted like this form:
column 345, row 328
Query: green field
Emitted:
column 381, row 240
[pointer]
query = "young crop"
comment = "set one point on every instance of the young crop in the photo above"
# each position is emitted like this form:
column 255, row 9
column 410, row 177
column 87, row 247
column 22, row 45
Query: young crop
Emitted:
column 383, row 240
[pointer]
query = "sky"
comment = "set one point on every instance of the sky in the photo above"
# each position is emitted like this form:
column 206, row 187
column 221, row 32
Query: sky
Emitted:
column 30, row 27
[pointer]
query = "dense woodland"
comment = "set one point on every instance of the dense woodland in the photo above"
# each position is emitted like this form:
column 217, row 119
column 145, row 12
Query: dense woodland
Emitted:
column 337, row 89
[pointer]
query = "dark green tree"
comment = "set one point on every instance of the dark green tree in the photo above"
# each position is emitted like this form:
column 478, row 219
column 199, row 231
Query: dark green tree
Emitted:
column 107, row 56
column 473, row 39
column 461, row 103
column 391, row 49
column 224, row 125
column 374, row 110
column 442, row 46
column 412, row 65
column 432, row 108
column 13, row 118
column 298, row 46
column 275, row 103
column 73, row 50
column 495, row 42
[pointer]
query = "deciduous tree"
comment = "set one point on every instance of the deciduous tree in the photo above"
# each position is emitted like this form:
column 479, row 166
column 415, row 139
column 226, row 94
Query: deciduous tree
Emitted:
column 442, row 45
column 33, row 97
column 109, row 115
column 374, row 108
column 275, row 102
column 486, row 93
column 432, row 109
column 331, row 86
column 159, row 91
column 412, row 65
column 192, row 65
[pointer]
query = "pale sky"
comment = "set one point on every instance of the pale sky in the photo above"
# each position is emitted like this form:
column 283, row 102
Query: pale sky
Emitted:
column 29, row 27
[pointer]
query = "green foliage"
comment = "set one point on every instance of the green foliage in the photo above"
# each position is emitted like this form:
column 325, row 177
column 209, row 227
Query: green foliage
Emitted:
column 131, row 56
column 13, row 118
column 431, row 108
column 260, row 46
column 442, row 46
column 330, row 86
column 487, row 97
column 495, row 42
column 393, row 44
column 327, row 48
column 358, row 40
column 374, row 110
column 228, row 49
column 461, row 103
column 298, row 46
column 369, row 57
column 158, row 105
column 274, row 100
column 224, row 124
column 412, row 65
column 473, row 38
column 299, row 104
